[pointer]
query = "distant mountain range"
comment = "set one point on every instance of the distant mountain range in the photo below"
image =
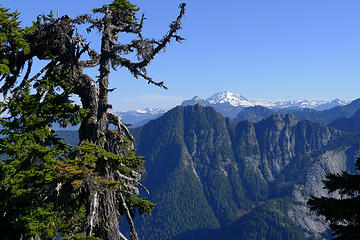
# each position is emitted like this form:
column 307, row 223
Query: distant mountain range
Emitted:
column 140, row 117
column 237, row 100
column 258, row 113
column 229, row 105
column 215, row 178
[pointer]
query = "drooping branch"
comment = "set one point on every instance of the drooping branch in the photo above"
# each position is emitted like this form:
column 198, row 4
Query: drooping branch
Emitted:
column 133, row 232
column 15, row 70
column 150, row 81
column 120, row 61
column 47, row 67
column 17, row 90
column 10, row 83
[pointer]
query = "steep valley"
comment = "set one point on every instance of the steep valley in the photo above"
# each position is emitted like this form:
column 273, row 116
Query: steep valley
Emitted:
column 209, row 174
column 214, row 178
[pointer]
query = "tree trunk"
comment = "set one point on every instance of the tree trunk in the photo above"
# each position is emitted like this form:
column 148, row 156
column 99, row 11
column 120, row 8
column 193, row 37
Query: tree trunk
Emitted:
column 104, row 70
column 89, row 95
column 102, row 213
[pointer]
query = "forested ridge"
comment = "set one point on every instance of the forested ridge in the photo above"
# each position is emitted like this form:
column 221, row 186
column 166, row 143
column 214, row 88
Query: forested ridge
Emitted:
column 203, row 175
column 208, row 172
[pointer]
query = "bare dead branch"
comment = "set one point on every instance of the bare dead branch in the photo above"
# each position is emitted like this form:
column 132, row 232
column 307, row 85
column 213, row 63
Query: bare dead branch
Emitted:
column 111, row 89
column 141, row 26
column 143, row 187
column 117, row 121
column 174, row 27
column 133, row 232
column 133, row 180
column 122, row 236
column 150, row 81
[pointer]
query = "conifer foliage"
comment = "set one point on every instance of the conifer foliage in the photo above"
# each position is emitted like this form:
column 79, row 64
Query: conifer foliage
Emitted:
column 342, row 213
column 48, row 189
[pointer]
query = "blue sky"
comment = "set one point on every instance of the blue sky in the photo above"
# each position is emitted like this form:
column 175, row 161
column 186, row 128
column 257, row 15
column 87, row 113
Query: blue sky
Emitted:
column 270, row 50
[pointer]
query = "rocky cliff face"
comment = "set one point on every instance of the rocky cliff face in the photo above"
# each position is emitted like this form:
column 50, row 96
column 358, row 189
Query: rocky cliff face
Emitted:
column 208, row 172
column 331, row 161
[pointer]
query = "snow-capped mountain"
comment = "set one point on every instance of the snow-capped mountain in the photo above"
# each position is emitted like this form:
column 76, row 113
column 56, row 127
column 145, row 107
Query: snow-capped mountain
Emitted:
column 314, row 104
column 141, row 116
column 149, row 111
column 228, row 97
column 195, row 100
column 228, row 104
column 299, row 103
column 237, row 100
column 331, row 104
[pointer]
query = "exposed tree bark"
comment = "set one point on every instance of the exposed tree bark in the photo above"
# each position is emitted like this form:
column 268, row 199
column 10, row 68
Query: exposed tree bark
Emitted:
column 104, row 70
column 89, row 95
column 133, row 232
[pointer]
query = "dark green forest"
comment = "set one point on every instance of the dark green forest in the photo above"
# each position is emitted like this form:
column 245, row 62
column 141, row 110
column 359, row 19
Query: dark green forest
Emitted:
column 201, row 175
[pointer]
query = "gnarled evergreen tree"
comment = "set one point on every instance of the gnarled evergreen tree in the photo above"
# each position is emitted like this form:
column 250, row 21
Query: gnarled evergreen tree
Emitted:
column 343, row 213
column 77, row 192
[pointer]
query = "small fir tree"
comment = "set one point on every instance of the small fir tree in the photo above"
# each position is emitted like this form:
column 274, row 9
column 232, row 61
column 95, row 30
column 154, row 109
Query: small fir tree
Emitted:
column 342, row 213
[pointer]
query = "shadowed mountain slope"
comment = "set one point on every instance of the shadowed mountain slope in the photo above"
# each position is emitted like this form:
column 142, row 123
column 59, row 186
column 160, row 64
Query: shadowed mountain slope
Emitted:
column 207, row 172
column 351, row 124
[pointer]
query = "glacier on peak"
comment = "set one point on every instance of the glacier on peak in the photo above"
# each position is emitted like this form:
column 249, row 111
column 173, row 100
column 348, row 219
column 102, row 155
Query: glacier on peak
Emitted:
column 237, row 100
column 228, row 97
